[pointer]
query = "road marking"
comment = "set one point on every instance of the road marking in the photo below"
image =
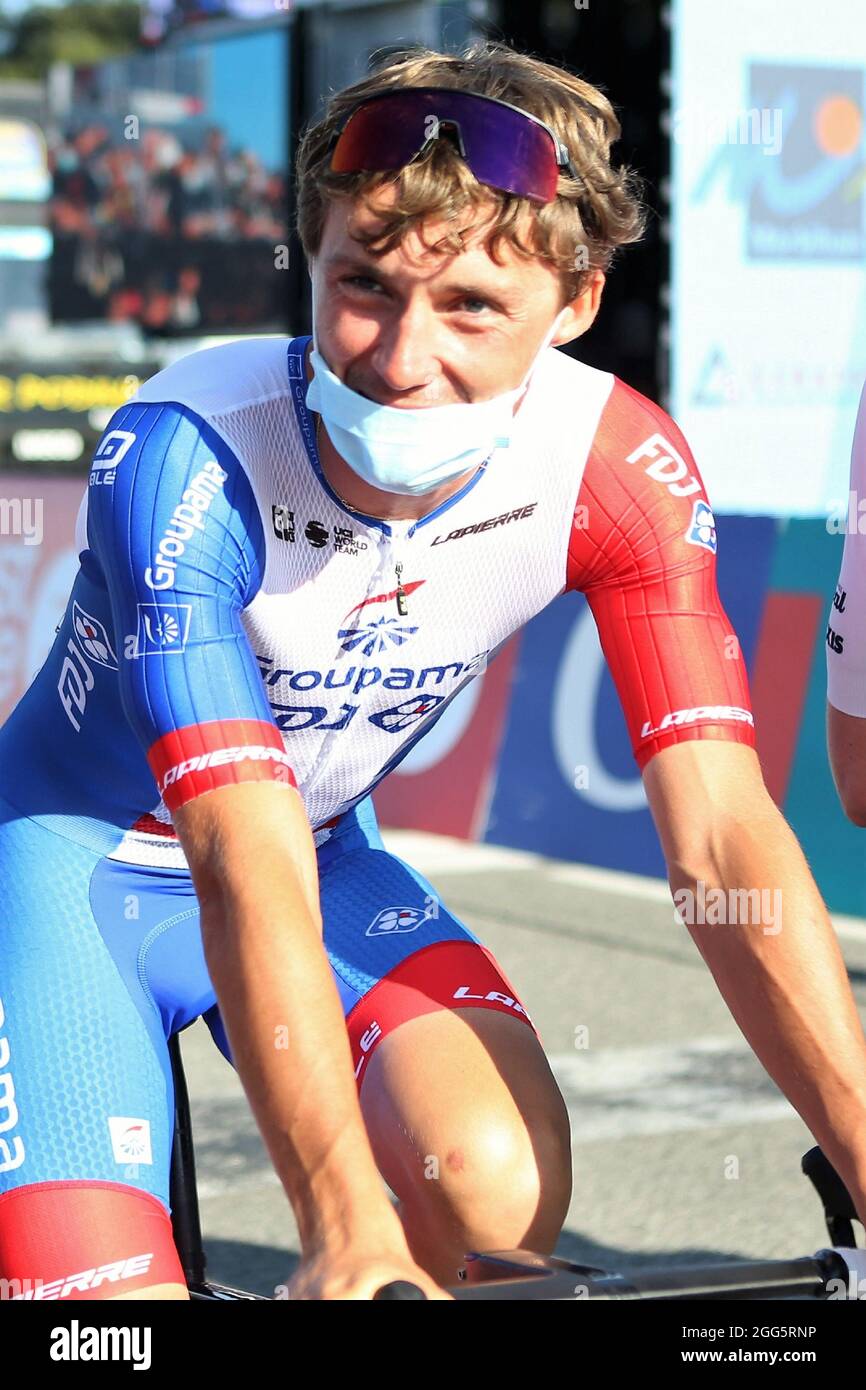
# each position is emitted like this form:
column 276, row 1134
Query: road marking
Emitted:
column 619, row 1093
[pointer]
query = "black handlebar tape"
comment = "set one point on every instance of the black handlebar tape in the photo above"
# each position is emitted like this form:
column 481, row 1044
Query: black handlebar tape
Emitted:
column 401, row 1291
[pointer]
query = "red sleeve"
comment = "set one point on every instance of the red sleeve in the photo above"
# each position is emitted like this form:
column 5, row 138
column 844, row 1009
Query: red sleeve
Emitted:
column 643, row 550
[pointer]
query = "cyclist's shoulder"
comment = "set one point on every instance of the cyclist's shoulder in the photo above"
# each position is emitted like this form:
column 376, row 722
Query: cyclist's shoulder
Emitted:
column 215, row 381
column 634, row 429
column 629, row 411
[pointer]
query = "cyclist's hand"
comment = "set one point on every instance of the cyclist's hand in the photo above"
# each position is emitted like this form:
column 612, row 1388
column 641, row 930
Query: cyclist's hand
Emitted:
column 358, row 1273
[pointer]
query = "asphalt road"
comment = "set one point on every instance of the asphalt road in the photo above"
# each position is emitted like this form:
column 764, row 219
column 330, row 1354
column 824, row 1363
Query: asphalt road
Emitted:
column 684, row 1149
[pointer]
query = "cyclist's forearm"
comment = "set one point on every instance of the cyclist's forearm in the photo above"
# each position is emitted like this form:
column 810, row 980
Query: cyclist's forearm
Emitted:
column 784, row 980
column 286, row 1028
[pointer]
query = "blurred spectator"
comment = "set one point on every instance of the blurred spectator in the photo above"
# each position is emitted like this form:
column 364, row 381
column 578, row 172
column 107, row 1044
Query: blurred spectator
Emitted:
column 176, row 236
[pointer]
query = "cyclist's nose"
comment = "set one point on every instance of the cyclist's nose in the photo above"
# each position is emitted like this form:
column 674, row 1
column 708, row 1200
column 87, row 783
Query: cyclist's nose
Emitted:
column 403, row 357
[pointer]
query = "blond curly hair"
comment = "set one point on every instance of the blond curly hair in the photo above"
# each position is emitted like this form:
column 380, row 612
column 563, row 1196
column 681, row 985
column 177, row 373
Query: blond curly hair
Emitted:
column 577, row 233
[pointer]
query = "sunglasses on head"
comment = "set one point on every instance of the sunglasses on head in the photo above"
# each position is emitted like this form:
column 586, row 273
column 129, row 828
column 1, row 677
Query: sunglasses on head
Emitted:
column 504, row 146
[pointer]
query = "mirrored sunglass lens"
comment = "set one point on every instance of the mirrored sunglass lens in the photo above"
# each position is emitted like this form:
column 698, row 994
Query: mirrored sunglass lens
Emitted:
column 513, row 154
column 502, row 147
column 383, row 135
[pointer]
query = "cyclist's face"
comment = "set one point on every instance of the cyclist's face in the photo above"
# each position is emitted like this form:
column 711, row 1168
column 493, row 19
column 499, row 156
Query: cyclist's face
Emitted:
column 419, row 327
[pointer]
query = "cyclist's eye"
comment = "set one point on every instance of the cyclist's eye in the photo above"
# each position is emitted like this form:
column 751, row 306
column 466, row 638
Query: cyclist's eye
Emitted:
column 473, row 306
column 362, row 281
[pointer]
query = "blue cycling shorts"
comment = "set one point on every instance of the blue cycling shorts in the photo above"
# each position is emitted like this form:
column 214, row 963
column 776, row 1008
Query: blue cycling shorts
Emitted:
column 102, row 961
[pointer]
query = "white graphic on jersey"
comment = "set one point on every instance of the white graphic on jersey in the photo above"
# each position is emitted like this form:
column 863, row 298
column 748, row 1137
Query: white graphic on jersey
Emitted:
column 110, row 451
column 93, row 638
column 162, row 627
column 666, row 466
column 187, row 518
column 130, row 1139
column 399, row 919
column 375, row 636
column 76, row 678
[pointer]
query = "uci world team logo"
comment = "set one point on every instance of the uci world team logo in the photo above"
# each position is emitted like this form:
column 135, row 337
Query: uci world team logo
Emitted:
column 401, row 717
column 702, row 530
column 807, row 202
column 376, row 635
column 162, row 627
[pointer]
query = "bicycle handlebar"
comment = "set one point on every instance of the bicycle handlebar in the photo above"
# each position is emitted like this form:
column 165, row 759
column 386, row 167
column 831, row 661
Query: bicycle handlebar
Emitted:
column 399, row 1291
column 523, row 1277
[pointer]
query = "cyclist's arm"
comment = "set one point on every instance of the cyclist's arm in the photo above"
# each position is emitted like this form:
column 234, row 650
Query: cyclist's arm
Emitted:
column 846, row 647
column 251, row 855
column 652, row 588
column 179, row 541
column 770, row 947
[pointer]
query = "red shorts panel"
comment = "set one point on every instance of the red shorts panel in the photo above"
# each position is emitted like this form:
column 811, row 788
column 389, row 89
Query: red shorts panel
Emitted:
column 446, row 975
column 84, row 1241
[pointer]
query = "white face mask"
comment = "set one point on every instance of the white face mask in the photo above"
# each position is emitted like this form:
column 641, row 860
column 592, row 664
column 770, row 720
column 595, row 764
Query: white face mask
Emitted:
column 412, row 451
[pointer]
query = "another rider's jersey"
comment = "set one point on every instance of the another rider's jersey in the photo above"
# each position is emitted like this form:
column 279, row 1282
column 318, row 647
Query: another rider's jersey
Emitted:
column 232, row 618
column 846, row 623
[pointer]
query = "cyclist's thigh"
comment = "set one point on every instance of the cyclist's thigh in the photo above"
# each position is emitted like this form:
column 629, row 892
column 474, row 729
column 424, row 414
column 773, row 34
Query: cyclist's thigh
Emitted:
column 86, row 1095
column 446, row 1060
column 395, row 950
column 398, row 953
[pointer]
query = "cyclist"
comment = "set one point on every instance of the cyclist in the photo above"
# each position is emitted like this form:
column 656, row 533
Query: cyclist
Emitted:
column 293, row 556
column 846, row 657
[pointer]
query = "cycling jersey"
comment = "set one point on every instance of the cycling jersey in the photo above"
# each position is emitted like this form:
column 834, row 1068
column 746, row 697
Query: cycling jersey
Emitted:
column 233, row 619
column 846, row 622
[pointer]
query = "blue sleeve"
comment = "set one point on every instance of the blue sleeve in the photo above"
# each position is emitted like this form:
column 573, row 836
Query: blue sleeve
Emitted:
column 175, row 529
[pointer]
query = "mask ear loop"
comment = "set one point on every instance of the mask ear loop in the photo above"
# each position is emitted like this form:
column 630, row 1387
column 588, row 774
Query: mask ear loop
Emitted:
column 551, row 334
column 520, row 391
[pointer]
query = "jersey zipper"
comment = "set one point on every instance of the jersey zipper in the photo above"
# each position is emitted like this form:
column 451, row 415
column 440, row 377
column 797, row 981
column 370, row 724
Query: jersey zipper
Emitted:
column 401, row 597
column 402, row 606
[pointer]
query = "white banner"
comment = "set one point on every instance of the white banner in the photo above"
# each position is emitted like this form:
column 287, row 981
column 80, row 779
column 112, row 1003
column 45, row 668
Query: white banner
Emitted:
column 768, row 229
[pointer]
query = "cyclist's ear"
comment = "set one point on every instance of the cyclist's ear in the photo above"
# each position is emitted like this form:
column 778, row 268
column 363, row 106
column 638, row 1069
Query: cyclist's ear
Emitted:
column 580, row 313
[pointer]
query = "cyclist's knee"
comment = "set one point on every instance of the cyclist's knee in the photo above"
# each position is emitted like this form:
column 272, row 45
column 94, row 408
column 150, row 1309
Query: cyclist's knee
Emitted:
column 86, row 1240
column 470, row 1129
column 495, row 1183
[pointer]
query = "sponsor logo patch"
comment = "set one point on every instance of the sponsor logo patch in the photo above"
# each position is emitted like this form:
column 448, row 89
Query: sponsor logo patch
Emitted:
column 702, row 529
column 92, row 638
column 392, row 920
column 130, row 1139
column 109, row 453
column 162, row 627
